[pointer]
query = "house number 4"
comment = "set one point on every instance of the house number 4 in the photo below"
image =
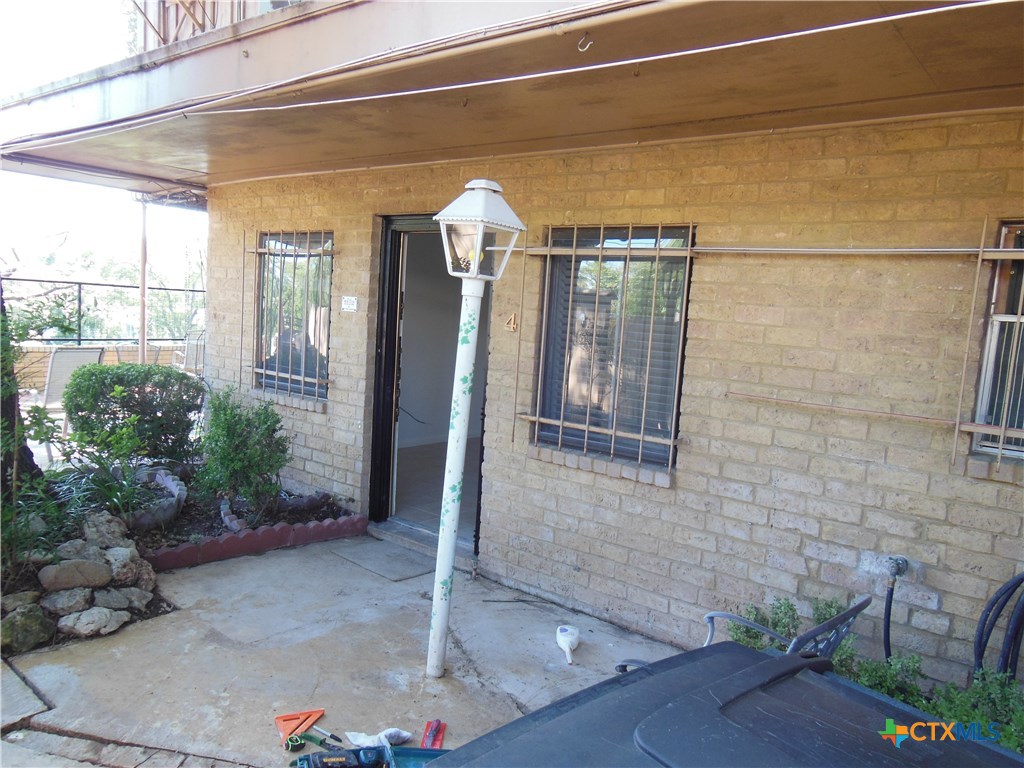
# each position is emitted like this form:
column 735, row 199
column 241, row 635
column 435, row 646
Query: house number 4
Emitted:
column 512, row 324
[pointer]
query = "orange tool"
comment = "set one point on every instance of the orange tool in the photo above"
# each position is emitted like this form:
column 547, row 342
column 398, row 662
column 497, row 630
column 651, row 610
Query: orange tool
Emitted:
column 433, row 734
column 296, row 723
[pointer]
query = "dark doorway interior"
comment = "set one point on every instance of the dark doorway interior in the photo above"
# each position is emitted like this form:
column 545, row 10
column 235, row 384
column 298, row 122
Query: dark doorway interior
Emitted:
column 415, row 362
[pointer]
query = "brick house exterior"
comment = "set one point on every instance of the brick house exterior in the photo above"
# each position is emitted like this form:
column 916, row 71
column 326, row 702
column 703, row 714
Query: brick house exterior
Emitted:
column 769, row 498
column 843, row 166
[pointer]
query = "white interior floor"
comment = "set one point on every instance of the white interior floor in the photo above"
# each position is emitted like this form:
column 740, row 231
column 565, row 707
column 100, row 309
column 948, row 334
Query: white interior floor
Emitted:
column 420, row 480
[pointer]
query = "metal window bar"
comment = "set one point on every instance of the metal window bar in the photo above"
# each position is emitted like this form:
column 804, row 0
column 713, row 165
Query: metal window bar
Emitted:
column 585, row 426
column 1004, row 345
column 283, row 303
column 593, row 339
column 650, row 346
column 620, row 331
column 983, row 254
column 543, row 329
column 677, row 399
column 568, row 336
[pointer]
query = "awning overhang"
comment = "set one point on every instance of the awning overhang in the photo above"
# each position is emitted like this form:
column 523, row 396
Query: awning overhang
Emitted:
column 357, row 84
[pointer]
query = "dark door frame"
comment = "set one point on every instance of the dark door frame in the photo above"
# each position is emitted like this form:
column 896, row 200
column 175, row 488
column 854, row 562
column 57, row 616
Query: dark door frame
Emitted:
column 385, row 381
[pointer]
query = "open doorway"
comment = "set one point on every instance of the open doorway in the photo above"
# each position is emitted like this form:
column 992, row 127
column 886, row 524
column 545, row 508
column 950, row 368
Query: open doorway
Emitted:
column 417, row 331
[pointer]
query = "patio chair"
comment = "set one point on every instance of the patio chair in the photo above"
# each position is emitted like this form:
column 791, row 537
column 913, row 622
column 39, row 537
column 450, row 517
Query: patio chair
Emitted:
column 821, row 641
column 63, row 362
column 129, row 353
column 191, row 358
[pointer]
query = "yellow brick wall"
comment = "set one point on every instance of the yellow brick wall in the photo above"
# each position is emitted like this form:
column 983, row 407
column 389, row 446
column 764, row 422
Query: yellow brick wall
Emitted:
column 767, row 499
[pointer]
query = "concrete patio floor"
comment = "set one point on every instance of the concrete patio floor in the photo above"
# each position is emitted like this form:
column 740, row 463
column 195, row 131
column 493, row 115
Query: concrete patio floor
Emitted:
column 338, row 625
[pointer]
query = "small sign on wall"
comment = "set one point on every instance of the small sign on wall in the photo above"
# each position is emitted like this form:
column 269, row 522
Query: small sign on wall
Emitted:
column 349, row 303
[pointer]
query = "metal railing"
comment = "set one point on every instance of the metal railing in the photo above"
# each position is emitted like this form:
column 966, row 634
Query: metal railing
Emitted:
column 168, row 21
column 97, row 310
column 106, row 314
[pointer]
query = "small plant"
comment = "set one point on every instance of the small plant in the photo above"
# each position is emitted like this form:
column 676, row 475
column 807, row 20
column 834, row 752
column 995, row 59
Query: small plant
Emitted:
column 896, row 677
column 245, row 450
column 102, row 468
column 843, row 658
column 99, row 399
column 781, row 618
column 990, row 698
column 27, row 512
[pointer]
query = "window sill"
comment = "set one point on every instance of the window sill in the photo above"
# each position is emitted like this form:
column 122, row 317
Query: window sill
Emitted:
column 981, row 466
column 290, row 401
column 657, row 476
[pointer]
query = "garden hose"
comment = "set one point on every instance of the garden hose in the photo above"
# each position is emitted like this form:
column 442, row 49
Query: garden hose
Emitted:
column 897, row 567
column 994, row 608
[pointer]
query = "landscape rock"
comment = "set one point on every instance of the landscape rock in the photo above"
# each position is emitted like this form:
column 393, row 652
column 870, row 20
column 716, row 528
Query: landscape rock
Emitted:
column 145, row 578
column 18, row 599
column 95, row 621
column 79, row 549
column 122, row 598
column 25, row 628
column 74, row 573
column 105, row 530
column 124, row 564
column 67, row 601
column 137, row 598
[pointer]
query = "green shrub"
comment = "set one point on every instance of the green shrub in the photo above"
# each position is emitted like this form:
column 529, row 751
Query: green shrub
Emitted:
column 781, row 617
column 245, row 450
column 990, row 698
column 100, row 398
column 843, row 658
column 32, row 525
column 897, row 678
column 104, row 470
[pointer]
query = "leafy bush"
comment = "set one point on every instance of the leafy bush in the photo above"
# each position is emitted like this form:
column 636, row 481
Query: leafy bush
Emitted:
column 843, row 658
column 245, row 450
column 781, row 617
column 35, row 524
column 29, row 515
column 100, row 398
column 990, row 698
column 896, row 677
column 104, row 470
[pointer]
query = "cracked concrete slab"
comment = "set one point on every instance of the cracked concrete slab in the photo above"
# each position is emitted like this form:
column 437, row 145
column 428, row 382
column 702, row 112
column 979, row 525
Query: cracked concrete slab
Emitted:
column 13, row 755
column 18, row 702
column 305, row 628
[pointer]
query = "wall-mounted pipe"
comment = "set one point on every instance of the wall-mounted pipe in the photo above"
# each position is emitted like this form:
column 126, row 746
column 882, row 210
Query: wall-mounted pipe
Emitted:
column 897, row 567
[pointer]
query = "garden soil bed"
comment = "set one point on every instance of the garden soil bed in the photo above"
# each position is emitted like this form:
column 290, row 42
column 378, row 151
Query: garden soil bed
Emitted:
column 199, row 535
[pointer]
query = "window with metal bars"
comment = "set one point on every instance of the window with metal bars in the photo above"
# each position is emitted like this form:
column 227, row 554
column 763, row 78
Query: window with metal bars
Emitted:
column 1001, row 387
column 293, row 316
column 613, row 331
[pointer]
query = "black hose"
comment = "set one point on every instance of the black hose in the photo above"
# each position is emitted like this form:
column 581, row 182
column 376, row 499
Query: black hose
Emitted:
column 888, row 616
column 1014, row 629
column 1010, row 652
column 897, row 567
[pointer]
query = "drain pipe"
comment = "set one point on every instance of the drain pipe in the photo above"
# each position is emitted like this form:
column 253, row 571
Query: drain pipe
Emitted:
column 897, row 567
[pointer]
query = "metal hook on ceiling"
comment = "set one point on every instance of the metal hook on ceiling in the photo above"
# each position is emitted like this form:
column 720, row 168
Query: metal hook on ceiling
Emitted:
column 580, row 45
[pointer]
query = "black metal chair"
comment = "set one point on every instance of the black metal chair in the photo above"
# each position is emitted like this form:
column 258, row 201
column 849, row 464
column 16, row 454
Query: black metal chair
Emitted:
column 821, row 641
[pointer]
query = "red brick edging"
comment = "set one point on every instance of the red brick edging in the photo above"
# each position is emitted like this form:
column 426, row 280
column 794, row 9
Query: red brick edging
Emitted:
column 254, row 541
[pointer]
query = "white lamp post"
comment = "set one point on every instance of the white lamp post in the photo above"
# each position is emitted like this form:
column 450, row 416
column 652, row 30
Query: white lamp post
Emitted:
column 479, row 230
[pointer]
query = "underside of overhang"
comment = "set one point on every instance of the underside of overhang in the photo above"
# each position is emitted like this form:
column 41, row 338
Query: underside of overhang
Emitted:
column 641, row 72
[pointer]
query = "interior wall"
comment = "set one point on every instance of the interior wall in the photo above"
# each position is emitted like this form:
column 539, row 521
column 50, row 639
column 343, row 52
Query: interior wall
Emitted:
column 433, row 301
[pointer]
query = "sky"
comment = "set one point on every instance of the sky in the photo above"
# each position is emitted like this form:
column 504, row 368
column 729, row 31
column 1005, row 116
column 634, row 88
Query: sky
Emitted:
column 38, row 215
